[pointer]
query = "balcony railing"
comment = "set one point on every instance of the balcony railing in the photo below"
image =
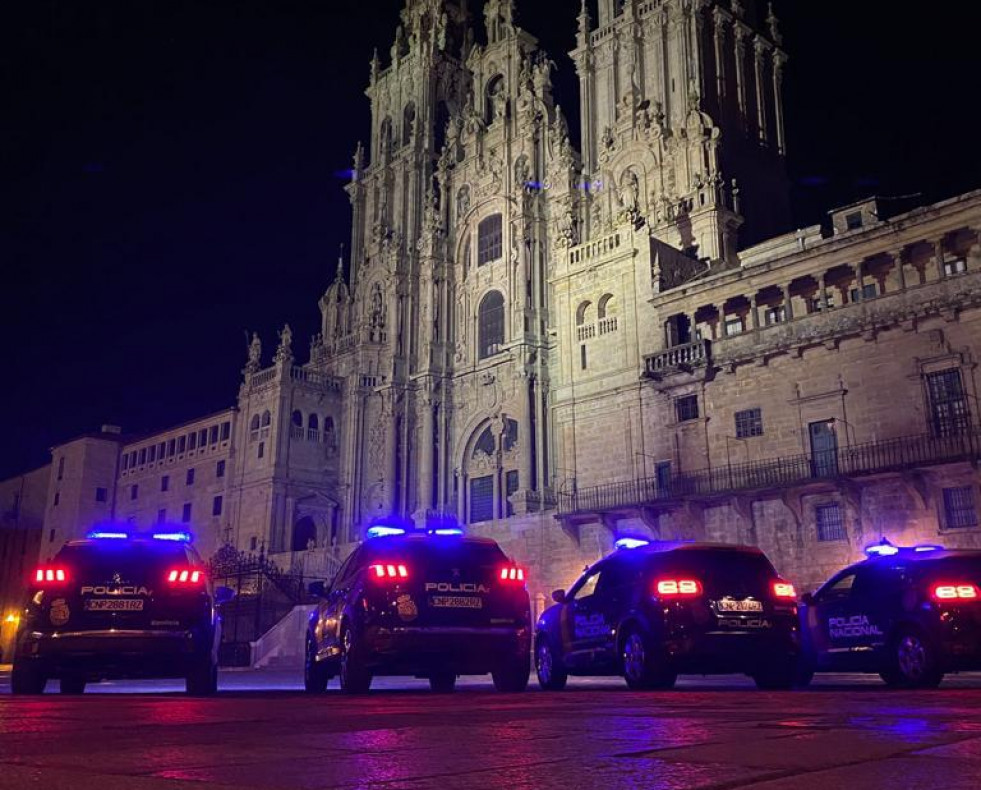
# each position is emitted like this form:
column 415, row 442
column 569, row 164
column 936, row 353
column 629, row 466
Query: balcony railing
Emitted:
column 677, row 358
column 888, row 455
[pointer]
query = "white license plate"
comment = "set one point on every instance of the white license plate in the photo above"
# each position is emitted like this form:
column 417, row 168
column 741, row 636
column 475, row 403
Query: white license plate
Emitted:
column 456, row 602
column 114, row 605
column 729, row 605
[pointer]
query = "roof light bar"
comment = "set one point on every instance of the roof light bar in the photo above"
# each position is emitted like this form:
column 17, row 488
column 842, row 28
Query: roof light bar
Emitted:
column 177, row 537
column 881, row 549
column 99, row 534
column 382, row 531
column 447, row 532
column 631, row 543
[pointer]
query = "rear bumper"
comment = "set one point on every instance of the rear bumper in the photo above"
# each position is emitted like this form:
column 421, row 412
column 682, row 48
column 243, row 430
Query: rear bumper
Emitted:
column 716, row 652
column 115, row 653
column 466, row 651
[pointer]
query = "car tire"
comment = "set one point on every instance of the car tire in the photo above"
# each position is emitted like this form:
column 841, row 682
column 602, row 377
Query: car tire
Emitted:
column 512, row 676
column 442, row 682
column 777, row 675
column 804, row 672
column 642, row 667
column 27, row 679
column 354, row 675
column 72, row 684
column 315, row 674
column 552, row 675
column 912, row 661
column 202, row 680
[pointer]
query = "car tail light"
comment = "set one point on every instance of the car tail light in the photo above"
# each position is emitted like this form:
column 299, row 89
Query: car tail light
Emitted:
column 955, row 592
column 786, row 590
column 53, row 575
column 512, row 574
column 388, row 570
column 678, row 588
column 184, row 577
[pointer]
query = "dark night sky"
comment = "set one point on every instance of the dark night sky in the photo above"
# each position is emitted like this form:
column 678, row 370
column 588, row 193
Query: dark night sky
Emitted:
column 171, row 175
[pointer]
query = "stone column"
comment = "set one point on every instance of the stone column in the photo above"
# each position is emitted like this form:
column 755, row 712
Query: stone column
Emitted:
column 424, row 495
column 779, row 60
column 938, row 247
column 897, row 257
column 754, row 313
column 739, row 33
column 391, row 461
column 718, row 17
column 760, row 47
column 860, row 279
column 824, row 292
column 788, row 304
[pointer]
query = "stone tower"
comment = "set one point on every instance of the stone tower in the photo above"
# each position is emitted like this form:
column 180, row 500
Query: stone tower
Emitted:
column 682, row 116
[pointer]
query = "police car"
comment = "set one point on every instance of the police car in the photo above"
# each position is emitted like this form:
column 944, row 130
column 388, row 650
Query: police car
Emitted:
column 120, row 605
column 433, row 604
column 910, row 614
column 652, row 611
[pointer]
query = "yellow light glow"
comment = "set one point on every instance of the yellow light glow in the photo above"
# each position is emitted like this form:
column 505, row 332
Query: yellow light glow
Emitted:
column 12, row 618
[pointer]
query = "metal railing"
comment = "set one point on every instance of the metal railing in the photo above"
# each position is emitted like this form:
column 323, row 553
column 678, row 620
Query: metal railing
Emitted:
column 887, row 455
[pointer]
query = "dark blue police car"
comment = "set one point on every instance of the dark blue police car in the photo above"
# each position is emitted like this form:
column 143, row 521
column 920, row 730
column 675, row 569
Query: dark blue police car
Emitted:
column 120, row 605
column 652, row 611
column 910, row 614
column 433, row 604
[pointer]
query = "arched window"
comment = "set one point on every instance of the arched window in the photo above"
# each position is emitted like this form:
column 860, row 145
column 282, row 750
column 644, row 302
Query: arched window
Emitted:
column 298, row 418
column 330, row 437
column 266, row 419
column 408, row 123
column 490, row 324
column 584, row 313
column 254, row 425
column 607, row 306
column 313, row 423
column 492, row 472
column 490, row 239
column 304, row 534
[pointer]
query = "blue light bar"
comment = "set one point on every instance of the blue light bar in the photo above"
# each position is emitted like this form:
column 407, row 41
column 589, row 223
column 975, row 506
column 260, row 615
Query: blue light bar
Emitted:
column 881, row 549
column 923, row 547
column 447, row 531
column 381, row 531
column 177, row 537
column 98, row 534
column 631, row 543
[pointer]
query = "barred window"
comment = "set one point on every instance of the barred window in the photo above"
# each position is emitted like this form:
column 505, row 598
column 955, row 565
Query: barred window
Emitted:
column 686, row 408
column 490, row 324
column 959, row 509
column 481, row 499
column 949, row 413
column 490, row 239
column 749, row 423
column 830, row 522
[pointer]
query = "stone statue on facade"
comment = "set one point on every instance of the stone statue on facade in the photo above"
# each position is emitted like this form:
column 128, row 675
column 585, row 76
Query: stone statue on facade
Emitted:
column 255, row 354
column 629, row 194
column 285, row 349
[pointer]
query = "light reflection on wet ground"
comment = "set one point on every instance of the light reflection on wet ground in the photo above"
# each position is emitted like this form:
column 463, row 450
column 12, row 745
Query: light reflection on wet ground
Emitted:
column 261, row 732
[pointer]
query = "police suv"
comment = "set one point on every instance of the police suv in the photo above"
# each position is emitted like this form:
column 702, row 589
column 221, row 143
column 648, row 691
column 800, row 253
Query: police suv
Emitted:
column 120, row 605
column 652, row 611
column 433, row 604
column 911, row 614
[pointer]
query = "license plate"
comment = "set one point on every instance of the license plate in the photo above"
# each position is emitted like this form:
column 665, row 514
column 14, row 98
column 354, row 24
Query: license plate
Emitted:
column 456, row 602
column 729, row 605
column 114, row 605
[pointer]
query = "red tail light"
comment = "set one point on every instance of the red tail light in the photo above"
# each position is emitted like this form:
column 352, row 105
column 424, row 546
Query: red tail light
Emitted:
column 52, row 575
column 183, row 577
column 783, row 589
column 955, row 592
column 388, row 570
column 512, row 574
column 679, row 588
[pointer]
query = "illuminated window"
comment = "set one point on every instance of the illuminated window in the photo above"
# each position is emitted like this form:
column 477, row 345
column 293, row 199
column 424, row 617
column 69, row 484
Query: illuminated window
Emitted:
column 490, row 324
column 951, row 268
column 735, row 325
column 775, row 315
column 490, row 239
column 959, row 509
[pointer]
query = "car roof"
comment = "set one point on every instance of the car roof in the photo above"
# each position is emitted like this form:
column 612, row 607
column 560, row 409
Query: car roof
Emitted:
column 667, row 548
column 919, row 558
column 423, row 539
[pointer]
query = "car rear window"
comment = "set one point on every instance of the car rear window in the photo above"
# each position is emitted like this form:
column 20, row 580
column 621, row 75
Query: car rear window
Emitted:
column 440, row 551
column 719, row 564
column 109, row 558
column 955, row 569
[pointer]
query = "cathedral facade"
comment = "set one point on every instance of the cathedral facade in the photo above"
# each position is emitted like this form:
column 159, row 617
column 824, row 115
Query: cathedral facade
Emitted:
column 555, row 342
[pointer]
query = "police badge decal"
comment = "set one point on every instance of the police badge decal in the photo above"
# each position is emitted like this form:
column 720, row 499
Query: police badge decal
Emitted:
column 407, row 608
column 59, row 612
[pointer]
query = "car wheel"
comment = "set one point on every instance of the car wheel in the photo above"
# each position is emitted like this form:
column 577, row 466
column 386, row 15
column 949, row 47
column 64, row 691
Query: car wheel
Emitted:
column 912, row 661
column 27, row 679
column 641, row 667
column 72, row 685
column 442, row 682
column 512, row 676
column 548, row 666
column 355, row 677
column 202, row 680
column 315, row 675
column 777, row 675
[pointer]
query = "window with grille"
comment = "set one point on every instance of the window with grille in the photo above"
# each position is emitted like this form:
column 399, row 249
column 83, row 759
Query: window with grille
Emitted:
column 830, row 522
column 959, row 509
column 949, row 413
column 490, row 239
column 481, row 499
column 490, row 324
column 749, row 423
column 686, row 408
column 735, row 326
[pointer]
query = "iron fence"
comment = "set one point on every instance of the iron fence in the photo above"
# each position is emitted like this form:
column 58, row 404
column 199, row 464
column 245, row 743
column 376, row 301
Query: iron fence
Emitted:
column 850, row 461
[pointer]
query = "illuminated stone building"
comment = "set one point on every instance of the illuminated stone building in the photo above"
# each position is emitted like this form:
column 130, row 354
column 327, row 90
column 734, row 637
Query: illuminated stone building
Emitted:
column 556, row 341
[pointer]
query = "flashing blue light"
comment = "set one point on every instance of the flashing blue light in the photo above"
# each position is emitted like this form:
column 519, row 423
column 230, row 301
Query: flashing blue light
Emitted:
column 381, row 531
column 98, row 534
column 881, row 549
column 178, row 537
column 631, row 543
column 447, row 531
column 923, row 547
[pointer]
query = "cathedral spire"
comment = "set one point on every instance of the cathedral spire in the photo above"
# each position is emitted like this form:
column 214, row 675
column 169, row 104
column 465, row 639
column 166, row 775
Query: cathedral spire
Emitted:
column 584, row 21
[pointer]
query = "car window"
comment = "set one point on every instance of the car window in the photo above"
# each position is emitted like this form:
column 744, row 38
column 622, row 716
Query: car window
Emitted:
column 586, row 585
column 616, row 576
column 880, row 581
column 838, row 589
column 348, row 568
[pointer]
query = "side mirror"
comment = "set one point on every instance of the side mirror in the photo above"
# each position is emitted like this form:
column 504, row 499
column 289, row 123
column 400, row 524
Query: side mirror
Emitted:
column 223, row 594
column 558, row 596
column 318, row 589
column 807, row 598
